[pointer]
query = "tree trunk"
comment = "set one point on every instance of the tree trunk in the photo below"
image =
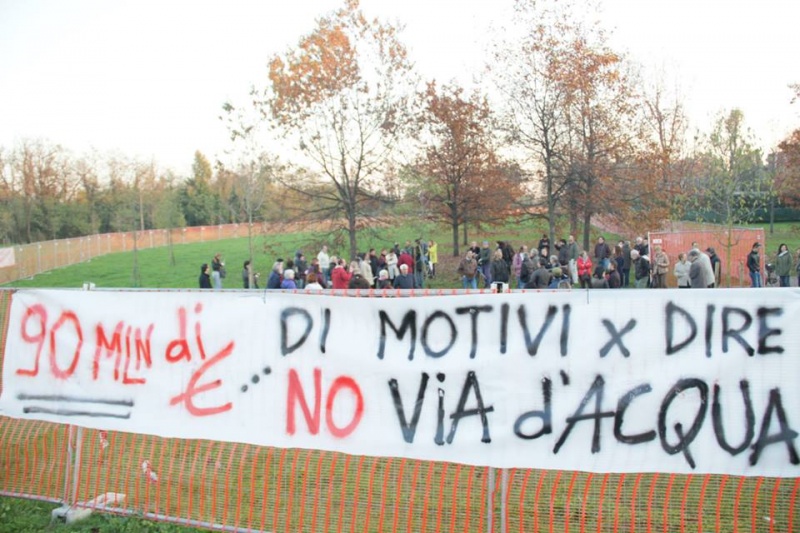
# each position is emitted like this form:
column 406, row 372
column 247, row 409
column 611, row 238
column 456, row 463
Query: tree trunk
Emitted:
column 551, row 224
column 728, row 258
column 771, row 214
column 587, row 227
column 454, row 225
column 137, row 278
column 171, row 248
column 351, row 231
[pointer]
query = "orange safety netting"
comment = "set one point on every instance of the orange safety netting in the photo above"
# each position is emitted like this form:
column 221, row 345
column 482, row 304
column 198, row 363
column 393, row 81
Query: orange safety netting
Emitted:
column 731, row 248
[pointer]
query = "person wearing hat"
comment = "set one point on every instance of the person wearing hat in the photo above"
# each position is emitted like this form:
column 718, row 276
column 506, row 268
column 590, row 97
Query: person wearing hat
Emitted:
column 754, row 265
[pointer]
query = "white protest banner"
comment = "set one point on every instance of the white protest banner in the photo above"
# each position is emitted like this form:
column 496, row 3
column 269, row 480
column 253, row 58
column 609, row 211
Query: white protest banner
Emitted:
column 702, row 381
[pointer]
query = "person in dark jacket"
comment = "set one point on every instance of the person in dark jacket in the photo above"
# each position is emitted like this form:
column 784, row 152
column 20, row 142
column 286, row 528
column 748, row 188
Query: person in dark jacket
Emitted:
column 485, row 264
column 526, row 270
column 276, row 275
column 544, row 242
column 641, row 269
column 404, row 280
column 563, row 253
column 217, row 271
column 357, row 281
column 540, row 279
column 560, row 279
column 300, row 269
column 754, row 265
column 205, row 277
column 625, row 271
column 499, row 267
column 602, row 253
column 783, row 265
column 613, row 277
column 716, row 266
column 247, row 273
column 598, row 278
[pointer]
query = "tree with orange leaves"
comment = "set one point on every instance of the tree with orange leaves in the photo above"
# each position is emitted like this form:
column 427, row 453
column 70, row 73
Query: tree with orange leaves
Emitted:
column 569, row 105
column 652, row 181
column 459, row 172
column 600, row 108
column 787, row 163
column 341, row 95
column 787, row 172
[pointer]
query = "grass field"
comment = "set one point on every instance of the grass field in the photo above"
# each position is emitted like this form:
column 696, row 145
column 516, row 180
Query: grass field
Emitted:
column 156, row 268
column 32, row 516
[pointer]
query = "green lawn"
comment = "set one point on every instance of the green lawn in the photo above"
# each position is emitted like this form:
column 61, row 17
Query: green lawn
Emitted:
column 157, row 270
column 33, row 516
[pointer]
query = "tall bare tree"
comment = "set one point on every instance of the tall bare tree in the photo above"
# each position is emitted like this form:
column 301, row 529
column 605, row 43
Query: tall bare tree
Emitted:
column 526, row 70
column 732, row 185
column 342, row 96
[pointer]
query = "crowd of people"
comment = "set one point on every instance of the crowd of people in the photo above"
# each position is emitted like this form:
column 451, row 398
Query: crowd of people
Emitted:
column 625, row 264
column 406, row 267
column 564, row 265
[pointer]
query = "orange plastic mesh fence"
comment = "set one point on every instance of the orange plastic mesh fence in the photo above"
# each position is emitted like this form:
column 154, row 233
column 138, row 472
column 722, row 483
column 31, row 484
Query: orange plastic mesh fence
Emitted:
column 32, row 259
column 244, row 487
column 734, row 246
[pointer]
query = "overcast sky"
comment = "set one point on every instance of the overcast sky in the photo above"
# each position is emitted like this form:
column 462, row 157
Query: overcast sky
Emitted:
column 148, row 78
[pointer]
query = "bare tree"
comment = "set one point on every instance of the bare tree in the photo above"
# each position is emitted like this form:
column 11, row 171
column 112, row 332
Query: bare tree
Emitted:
column 342, row 96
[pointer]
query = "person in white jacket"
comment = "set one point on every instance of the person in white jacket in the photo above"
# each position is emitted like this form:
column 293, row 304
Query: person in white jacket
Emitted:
column 681, row 271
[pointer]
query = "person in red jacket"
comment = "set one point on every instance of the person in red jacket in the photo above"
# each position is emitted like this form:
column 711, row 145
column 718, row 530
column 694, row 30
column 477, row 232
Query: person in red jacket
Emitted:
column 340, row 277
column 584, row 264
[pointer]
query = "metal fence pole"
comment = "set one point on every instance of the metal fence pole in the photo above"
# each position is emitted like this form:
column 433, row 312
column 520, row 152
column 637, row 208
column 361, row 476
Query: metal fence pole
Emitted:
column 490, row 502
column 68, row 471
column 76, row 466
column 503, row 495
